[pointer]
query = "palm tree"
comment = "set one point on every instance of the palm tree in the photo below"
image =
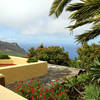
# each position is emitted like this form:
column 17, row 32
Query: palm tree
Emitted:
column 84, row 12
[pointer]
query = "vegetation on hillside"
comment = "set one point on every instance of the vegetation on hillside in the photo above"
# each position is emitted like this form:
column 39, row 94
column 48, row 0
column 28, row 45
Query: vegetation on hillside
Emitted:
column 10, row 52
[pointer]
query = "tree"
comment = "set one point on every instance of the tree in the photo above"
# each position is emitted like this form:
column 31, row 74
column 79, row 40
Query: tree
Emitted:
column 84, row 12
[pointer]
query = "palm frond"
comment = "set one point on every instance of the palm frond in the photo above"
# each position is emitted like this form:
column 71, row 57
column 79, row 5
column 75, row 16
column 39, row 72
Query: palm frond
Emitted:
column 58, row 6
column 87, row 11
column 94, row 32
column 95, row 19
column 75, row 6
column 88, row 35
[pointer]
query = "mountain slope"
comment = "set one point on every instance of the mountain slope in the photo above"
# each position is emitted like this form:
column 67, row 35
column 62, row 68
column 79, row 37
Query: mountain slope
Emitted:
column 11, row 49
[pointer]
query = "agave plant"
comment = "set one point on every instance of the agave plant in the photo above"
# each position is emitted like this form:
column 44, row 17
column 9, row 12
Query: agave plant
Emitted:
column 95, row 70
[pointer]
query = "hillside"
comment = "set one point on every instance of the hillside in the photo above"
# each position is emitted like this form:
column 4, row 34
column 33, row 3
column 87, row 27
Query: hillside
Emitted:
column 11, row 49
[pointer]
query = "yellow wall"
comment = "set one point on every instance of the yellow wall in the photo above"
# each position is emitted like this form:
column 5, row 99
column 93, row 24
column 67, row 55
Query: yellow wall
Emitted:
column 6, row 61
column 23, row 72
column 18, row 60
column 14, row 60
column 1, row 75
column 6, row 94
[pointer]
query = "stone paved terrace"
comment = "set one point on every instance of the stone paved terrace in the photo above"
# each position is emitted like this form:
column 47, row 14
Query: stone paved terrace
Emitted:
column 55, row 72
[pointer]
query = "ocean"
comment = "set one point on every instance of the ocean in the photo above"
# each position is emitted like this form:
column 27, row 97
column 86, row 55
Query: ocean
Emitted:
column 71, row 49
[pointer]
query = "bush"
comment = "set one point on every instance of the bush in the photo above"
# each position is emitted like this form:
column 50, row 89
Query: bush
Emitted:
column 92, row 92
column 75, row 63
column 32, row 59
column 53, row 54
column 86, row 56
column 88, row 53
column 76, row 84
column 77, row 80
column 4, row 57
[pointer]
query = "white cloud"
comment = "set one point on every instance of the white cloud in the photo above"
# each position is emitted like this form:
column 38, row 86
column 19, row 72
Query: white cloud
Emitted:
column 31, row 17
column 51, row 26
column 22, row 12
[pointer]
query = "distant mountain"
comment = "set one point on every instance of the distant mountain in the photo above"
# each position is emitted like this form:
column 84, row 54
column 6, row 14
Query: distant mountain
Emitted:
column 11, row 49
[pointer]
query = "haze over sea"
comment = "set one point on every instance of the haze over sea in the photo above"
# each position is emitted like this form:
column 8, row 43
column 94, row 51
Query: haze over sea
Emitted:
column 68, row 47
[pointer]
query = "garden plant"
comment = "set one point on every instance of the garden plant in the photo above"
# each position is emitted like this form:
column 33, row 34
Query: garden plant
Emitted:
column 33, row 91
column 4, row 57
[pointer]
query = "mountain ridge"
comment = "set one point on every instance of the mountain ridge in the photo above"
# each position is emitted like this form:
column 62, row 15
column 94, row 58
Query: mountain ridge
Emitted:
column 11, row 49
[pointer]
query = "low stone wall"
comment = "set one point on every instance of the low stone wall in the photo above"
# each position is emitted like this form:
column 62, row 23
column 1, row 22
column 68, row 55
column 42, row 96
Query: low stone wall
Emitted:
column 24, row 71
column 6, row 94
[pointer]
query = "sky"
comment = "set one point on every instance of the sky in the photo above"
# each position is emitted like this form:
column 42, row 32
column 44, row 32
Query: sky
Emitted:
column 28, row 22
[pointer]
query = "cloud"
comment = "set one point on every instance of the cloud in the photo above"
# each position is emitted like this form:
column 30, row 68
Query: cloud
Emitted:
column 2, row 38
column 51, row 26
column 16, row 13
column 27, row 21
column 31, row 17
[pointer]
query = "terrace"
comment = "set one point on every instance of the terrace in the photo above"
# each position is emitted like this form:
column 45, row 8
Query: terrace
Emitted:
column 21, row 70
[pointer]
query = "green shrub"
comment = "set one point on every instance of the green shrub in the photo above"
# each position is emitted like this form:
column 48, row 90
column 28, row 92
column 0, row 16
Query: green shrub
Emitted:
column 4, row 57
column 92, row 92
column 53, row 54
column 33, row 59
column 79, row 80
column 76, row 84
column 75, row 63
column 87, row 54
column 31, row 52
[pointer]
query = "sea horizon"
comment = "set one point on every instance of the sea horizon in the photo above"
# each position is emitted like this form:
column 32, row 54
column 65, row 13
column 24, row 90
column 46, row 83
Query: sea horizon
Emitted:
column 70, row 48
